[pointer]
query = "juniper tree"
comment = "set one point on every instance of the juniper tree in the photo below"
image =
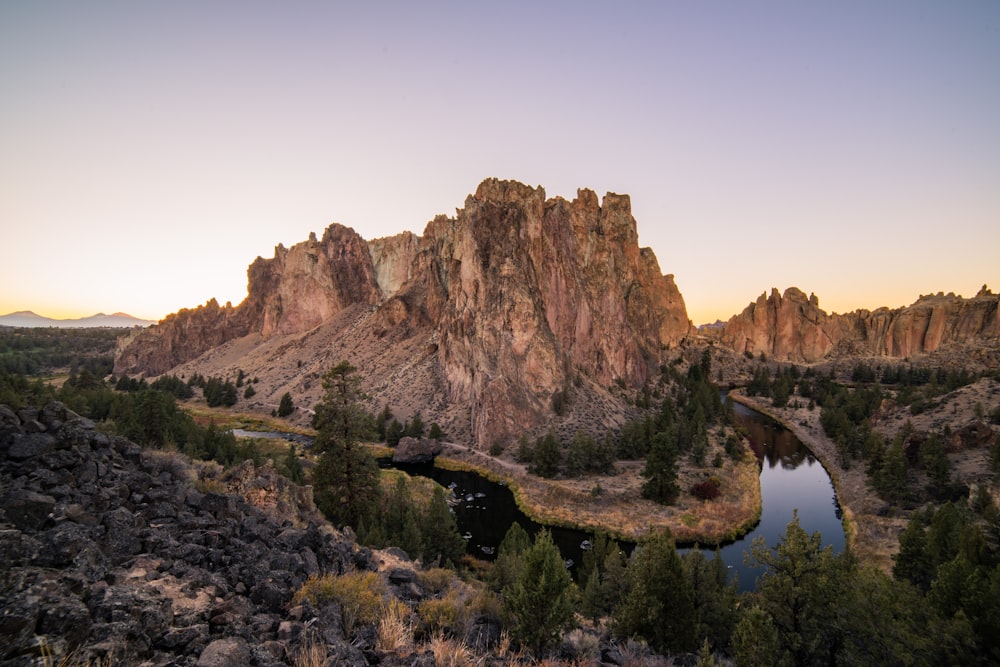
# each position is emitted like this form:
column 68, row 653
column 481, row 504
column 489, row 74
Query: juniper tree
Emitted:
column 346, row 477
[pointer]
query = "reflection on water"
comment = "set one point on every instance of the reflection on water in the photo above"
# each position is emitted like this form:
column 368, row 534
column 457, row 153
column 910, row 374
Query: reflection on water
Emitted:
column 791, row 480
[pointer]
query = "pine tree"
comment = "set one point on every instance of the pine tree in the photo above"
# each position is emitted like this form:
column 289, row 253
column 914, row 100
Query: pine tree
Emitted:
column 541, row 598
column 661, row 469
column 510, row 558
column 659, row 605
column 546, row 456
column 285, row 405
column 346, row 477
column 441, row 539
column 800, row 590
column 400, row 520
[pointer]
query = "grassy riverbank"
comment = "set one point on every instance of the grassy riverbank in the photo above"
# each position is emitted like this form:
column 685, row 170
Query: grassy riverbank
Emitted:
column 614, row 503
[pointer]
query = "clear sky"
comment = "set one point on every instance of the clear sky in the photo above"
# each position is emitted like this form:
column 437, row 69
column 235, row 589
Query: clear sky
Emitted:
column 150, row 151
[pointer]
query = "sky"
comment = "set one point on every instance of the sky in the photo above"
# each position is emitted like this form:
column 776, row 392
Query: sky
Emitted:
column 149, row 152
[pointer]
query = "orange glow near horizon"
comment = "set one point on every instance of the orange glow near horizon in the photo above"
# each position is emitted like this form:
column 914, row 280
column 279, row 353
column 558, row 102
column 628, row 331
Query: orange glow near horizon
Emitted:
column 823, row 146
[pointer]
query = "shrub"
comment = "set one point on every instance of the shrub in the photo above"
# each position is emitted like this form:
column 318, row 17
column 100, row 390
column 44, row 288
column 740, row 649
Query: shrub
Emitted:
column 440, row 616
column 436, row 580
column 359, row 594
column 705, row 490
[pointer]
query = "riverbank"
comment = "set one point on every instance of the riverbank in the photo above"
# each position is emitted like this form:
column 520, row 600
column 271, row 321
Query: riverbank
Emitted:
column 611, row 503
column 871, row 535
column 614, row 503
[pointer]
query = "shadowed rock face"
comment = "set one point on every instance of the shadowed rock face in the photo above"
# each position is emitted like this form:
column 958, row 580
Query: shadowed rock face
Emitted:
column 792, row 327
column 519, row 296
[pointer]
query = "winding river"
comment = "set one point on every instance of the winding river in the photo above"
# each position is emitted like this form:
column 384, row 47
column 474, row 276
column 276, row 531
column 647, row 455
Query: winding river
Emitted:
column 791, row 480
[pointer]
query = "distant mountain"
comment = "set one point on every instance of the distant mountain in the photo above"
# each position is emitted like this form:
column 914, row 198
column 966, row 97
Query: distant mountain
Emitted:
column 26, row 318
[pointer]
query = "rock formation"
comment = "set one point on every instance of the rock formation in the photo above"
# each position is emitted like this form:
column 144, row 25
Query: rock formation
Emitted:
column 512, row 302
column 792, row 327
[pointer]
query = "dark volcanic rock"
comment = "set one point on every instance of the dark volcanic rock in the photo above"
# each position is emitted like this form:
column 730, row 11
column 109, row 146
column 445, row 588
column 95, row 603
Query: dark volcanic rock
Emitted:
column 412, row 450
column 109, row 551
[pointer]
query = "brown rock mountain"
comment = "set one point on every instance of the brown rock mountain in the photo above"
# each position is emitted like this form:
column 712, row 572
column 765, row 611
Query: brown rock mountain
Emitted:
column 792, row 327
column 479, row 323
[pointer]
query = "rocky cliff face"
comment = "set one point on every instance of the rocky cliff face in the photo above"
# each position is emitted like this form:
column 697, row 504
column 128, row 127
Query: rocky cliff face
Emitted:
column 514, row 300
column 792, row 327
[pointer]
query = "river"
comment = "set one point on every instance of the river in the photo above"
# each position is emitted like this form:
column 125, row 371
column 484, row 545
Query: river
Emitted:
column 791, row 479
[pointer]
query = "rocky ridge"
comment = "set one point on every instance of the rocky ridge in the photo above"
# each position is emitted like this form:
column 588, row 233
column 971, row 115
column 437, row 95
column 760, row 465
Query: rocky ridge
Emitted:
column 491, row 315
column 116, row 553
column 792, row 327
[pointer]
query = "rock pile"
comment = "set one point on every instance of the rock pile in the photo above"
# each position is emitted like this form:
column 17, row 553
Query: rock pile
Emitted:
column 115, row 553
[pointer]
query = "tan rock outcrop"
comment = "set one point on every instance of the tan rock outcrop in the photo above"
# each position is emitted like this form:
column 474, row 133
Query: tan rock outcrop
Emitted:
column 518, row 297
column 792, row 327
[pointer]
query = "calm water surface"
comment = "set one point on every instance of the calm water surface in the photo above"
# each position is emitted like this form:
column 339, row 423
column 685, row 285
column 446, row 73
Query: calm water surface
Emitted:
column 791, row 480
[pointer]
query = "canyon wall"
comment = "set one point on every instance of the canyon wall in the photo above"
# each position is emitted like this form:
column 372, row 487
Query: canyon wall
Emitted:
column 792, row 327
column 519, row 297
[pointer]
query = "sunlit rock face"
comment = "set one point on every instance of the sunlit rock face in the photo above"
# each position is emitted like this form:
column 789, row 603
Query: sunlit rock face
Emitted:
column 792, row 327
column 517, row 297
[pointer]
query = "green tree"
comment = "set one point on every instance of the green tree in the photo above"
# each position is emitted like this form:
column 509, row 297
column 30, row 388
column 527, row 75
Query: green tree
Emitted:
column 541, row 599
column 293, row 465
column 415, row 427
column 510, row 558
column 799, row 590
column 661, row 469
column 285, row 405
column 602, row 577
column 346, row 477
column 394, row 433
column 714, row 596
column 401, row 521
column 659, row 605
column 441, row 539
column 546, row 456
column 755, row 640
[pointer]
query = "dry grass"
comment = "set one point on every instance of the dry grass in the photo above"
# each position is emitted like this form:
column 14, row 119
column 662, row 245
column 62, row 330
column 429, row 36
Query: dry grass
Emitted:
column 360, row 595
column 450, row 653
column 395, row 629
column 50, row 656
column 312, row 653
column 620, row 509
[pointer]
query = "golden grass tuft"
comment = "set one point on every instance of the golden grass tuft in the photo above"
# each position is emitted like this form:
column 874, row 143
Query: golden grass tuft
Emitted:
column 312, row 653
column 359, row 594
column 395, row 630
column 450, row 653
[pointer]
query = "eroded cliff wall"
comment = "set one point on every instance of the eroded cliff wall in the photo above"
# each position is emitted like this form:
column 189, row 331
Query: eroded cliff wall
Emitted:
column 792, row 327
column 519, row 297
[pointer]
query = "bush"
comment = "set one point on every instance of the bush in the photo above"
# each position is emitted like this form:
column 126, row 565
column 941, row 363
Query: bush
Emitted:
column 441, row 615
column 285, row 406
column 359, row 594
column 705, row 490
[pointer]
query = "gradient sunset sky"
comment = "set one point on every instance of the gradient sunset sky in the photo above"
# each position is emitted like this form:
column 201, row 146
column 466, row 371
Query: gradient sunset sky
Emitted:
column 150, row 151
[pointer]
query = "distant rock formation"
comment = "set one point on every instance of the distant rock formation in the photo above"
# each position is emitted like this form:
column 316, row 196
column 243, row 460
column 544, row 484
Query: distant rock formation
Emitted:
column 515, row 299
column 792, row 327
